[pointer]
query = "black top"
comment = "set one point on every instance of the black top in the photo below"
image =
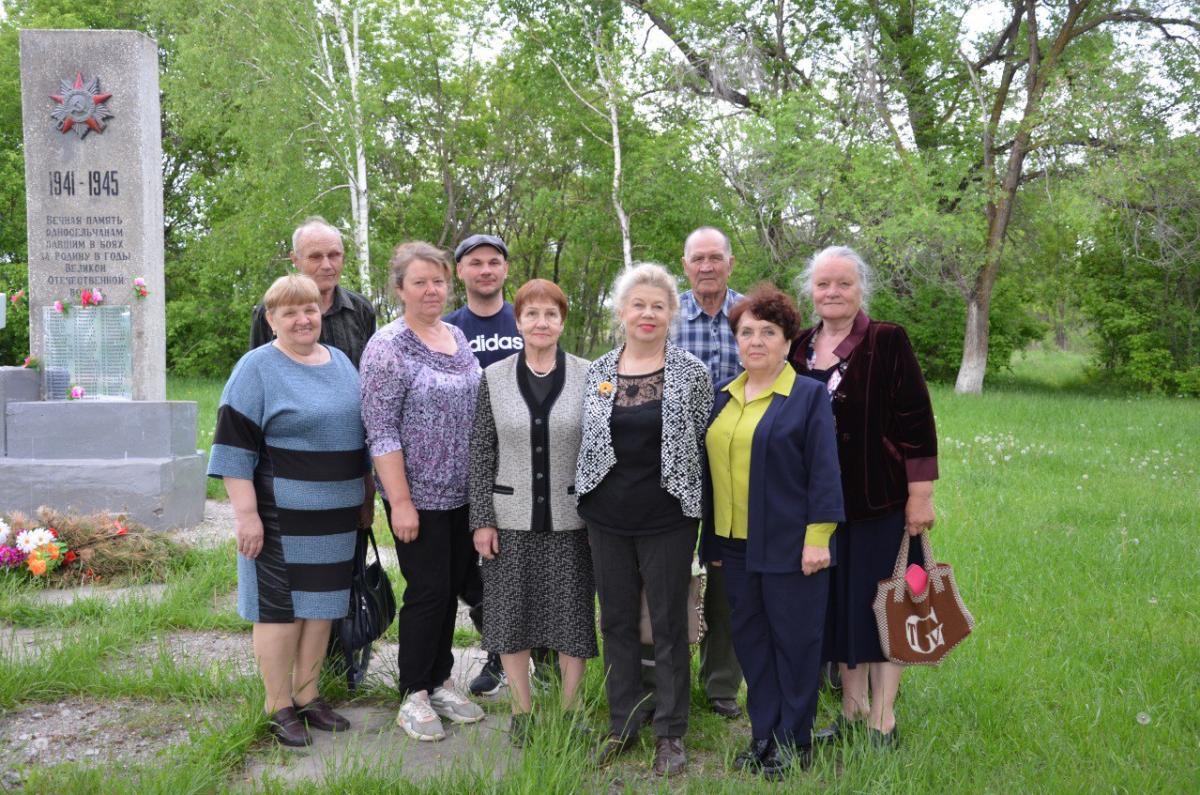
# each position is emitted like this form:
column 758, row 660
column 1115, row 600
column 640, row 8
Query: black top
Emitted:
column 347, row 325
column 631, row 499
column 540, row 385
column 540, row 395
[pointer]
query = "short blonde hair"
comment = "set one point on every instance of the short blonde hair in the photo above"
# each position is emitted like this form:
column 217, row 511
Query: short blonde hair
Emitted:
column 295, row 289
column 649, row 274
column 406, row 254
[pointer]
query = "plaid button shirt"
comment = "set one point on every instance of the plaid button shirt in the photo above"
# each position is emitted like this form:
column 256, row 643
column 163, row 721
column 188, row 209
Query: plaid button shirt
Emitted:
column 709, row 339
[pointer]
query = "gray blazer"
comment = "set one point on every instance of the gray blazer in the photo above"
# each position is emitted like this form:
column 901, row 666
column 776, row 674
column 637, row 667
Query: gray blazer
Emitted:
column 687, row 400
column 522, row 473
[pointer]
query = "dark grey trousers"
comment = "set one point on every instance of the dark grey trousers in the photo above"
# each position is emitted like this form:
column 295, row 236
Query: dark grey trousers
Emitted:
column 720, row 673
column 662, row 562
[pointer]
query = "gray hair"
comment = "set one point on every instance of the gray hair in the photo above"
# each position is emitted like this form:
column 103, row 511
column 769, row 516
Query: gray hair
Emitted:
column 687, row 243
column 866, row 277
column 650, row 274
column 310, row 222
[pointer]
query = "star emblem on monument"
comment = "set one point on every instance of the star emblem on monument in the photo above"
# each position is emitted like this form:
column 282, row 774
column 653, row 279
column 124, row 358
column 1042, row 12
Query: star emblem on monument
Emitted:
column 80, row 107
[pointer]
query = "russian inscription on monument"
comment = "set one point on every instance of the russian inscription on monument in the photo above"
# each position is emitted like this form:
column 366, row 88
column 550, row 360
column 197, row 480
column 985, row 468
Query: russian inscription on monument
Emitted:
column 93, row 170
column 93, row 175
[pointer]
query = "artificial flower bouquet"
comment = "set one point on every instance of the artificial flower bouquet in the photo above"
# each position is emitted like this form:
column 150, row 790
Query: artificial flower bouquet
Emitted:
column 71, row 549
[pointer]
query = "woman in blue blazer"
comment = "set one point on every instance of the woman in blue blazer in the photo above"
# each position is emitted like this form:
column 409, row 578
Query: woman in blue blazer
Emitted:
column 774, row 498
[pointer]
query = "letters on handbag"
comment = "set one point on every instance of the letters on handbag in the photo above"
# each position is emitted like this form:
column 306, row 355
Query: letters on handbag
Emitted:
column 920, row 628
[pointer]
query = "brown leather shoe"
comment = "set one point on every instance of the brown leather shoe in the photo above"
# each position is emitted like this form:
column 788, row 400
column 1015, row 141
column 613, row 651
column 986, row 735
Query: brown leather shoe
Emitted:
column 319, row 715
column 611, row 747
column 669, row 758
column 286, row 727
column 725, row 707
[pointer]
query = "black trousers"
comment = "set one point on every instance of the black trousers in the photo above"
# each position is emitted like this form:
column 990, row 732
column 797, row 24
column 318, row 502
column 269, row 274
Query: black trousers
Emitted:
column 623, row 565
column 778, row 623
column 435, row 567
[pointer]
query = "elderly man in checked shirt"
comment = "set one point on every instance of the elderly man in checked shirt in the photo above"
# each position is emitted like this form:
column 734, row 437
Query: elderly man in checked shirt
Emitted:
column 702, row 329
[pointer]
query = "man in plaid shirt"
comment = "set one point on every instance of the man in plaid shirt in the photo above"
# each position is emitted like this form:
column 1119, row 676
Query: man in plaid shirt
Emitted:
column 702, row 329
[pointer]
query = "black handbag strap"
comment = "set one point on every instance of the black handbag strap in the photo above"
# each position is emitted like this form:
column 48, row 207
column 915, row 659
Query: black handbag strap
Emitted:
column 371, row 536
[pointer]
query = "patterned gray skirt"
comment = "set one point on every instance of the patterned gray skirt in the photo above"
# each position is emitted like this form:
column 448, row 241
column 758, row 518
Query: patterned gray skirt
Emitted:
column 539, row 593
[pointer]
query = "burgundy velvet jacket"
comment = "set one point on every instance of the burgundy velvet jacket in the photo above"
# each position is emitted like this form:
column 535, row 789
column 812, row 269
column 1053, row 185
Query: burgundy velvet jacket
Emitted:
column 884, row 420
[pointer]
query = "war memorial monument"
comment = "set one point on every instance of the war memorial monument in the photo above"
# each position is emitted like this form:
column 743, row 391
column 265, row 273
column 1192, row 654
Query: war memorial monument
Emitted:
column 90, row 428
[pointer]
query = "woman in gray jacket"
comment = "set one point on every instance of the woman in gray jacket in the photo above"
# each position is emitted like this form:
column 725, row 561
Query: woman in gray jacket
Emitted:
column 640, row 485
column 537, row 567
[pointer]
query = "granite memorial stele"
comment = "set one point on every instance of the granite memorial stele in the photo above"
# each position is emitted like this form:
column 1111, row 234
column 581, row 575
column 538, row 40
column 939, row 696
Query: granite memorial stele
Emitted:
column 91, row 428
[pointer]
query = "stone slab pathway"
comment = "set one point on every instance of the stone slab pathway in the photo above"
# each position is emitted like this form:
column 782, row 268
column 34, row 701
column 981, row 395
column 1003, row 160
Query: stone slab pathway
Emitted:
column 375, row 743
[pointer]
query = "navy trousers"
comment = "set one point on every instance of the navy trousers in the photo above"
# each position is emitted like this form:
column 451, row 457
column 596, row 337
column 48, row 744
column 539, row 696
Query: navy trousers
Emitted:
column 778, row 623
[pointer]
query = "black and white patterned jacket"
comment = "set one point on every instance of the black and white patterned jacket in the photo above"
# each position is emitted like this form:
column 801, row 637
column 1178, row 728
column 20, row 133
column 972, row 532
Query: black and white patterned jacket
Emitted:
column 687, row 401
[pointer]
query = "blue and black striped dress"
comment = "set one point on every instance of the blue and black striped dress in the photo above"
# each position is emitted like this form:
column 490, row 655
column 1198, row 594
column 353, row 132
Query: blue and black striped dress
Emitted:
column 296, row 431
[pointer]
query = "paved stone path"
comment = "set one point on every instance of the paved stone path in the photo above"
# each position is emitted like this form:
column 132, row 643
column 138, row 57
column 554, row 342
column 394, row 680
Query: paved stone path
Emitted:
column 375, row 743
column 99, row 732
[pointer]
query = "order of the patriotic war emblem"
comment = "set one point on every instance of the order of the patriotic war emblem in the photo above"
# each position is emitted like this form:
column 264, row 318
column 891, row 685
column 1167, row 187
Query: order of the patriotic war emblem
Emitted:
column 80, row 106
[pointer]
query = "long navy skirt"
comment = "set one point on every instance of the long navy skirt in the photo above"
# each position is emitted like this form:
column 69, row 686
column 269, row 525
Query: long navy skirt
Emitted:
column 866, row 554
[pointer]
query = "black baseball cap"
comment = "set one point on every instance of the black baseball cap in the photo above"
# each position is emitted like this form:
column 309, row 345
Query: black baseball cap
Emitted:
column 475, row 241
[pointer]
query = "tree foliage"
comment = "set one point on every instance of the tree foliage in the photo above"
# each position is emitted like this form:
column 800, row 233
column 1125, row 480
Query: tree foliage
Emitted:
column 1008, row 167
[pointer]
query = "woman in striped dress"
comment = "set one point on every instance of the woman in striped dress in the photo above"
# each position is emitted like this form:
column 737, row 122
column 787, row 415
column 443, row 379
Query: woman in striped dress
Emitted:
column 291, row 449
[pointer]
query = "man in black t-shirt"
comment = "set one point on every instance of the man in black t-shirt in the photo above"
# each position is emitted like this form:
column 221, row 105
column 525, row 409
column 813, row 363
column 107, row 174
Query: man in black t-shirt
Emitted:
column 486, row 320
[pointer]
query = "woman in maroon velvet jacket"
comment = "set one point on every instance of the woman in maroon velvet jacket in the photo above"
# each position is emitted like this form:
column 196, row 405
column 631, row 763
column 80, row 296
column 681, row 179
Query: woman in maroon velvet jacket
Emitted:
column 887, row 447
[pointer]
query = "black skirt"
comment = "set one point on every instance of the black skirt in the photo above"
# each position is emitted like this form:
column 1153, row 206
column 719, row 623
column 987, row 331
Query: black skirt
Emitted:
column 866, row 554
column 538, row 593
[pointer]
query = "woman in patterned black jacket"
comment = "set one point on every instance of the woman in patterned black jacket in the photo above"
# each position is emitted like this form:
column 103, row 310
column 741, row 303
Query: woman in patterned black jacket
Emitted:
column 640, row 485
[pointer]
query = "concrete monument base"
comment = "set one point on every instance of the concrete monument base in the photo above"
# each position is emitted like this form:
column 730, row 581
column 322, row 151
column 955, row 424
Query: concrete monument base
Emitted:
column 138, row 458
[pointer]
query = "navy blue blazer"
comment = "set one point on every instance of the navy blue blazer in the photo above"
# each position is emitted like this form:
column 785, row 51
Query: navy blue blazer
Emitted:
column 794, row 478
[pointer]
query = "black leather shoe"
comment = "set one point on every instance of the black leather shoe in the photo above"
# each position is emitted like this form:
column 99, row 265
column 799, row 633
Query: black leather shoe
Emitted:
column 786, row 758
column 834, row 732
column 319, row 715
column 725, row 707
column 611, row 747
column 286, row 727
column 752, row 758
column 891, row 740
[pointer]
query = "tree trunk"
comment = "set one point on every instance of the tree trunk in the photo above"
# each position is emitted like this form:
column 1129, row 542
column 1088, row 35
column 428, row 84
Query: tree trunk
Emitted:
column 975, row 346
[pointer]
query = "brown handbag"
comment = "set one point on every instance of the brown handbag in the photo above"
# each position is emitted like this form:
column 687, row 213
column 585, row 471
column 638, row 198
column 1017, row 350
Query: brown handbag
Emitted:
column 920, row 629
column 696, row 625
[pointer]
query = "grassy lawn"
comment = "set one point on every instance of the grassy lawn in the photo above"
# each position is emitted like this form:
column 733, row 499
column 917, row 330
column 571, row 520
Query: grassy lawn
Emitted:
column 1069, row 515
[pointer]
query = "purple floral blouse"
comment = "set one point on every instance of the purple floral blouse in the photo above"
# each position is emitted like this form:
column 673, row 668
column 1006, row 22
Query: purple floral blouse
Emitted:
column 422, row 402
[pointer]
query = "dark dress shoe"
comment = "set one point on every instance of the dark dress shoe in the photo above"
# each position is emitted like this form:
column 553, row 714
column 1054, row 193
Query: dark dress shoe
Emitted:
column 611, row 747
column 520, row 729
column 286, row 727
column 834, row 732
column 890, row 740
column 669, row 757
column 785, row 758
column 752, row 758
column 725, row 707
column 319, row 715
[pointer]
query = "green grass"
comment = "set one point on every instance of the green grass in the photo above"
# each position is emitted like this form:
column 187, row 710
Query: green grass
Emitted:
column 1069, row 515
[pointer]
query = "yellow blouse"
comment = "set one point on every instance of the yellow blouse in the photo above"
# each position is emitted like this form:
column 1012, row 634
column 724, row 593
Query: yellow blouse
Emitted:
column 728, row 440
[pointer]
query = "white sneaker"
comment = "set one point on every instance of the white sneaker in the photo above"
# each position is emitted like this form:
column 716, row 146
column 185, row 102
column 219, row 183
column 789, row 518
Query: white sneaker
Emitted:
column 418, row 719
column 449, row 702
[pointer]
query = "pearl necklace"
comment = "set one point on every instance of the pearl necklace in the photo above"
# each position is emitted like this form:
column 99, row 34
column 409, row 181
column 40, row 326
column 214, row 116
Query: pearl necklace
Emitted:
column 538, row 374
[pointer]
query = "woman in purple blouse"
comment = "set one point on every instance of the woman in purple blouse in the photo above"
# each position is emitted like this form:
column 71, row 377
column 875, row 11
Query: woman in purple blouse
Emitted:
column 419, row 381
